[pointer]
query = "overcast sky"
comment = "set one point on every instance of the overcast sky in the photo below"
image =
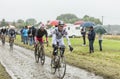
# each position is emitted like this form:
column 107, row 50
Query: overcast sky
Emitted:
column 43, row 10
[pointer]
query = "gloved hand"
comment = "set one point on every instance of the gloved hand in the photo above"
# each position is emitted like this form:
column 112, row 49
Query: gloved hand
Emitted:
column 70, row 48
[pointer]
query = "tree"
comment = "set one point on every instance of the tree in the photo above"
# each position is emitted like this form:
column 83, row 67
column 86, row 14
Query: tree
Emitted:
column 92, row 19
column 20, row 23
column 3, row 23
column 68, row 18
column 31, row 21
column 14, row 23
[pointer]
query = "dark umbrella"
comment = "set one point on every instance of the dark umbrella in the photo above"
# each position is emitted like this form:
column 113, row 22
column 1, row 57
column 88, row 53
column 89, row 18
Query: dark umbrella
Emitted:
column 88, row 24
column 100, row 29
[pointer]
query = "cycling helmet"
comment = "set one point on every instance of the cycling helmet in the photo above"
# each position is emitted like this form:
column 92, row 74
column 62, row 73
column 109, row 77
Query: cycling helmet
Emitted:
column 61, row 23
column 42, row 26
column 12, row 27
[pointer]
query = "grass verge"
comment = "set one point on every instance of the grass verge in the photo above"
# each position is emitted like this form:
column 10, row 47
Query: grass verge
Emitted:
column 3, row 73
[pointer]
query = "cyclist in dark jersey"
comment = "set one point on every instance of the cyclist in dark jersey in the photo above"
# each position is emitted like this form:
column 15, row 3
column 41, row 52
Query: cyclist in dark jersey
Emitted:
column 3, row 33
column 40, row 33
column 12, row 33
column 3, row 30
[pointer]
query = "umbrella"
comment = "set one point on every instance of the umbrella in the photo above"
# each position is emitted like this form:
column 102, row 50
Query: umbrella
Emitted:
column 99, row 29
column 88, row 24
column 53, row 23
column 78, row 22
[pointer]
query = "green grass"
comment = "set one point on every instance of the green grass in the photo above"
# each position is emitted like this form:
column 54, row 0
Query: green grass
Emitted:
column 105, row 63
column 3, row 73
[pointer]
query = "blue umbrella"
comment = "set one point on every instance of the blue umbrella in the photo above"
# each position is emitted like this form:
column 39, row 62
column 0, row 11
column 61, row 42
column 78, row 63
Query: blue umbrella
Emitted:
column 88, row 24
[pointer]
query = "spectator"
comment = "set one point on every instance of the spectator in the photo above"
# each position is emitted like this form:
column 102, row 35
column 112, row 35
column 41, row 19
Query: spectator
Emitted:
column 100, row 38
column 83, row 32
column 91, row 38
column 30, row 36
column 25, row 35
column 21, row 31
column 33, row 33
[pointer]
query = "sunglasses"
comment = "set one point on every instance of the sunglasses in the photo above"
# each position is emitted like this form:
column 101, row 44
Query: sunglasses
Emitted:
column 61, row 26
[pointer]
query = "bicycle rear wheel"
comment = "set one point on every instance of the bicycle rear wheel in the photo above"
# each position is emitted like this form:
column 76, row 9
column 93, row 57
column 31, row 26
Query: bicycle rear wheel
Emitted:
column 42, row 56
column 37, row 55
column 62, row 68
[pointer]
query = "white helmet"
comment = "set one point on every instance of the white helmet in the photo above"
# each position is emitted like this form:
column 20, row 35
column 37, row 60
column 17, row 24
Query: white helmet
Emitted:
column 42, row 26
column 12, row 27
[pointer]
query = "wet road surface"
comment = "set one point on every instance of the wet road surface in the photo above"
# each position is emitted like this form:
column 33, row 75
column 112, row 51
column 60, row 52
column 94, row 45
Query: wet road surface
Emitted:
column 20, row 64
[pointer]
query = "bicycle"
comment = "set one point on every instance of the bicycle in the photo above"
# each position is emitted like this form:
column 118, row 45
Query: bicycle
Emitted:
column 40, row 53
column 58, row 64
column 3, row 39
column 11, row 41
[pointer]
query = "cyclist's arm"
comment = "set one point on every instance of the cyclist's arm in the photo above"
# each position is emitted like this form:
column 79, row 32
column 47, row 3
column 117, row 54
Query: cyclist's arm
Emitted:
column 46, row 35
column 68, row 40
column 54, row 39
column 67, row 37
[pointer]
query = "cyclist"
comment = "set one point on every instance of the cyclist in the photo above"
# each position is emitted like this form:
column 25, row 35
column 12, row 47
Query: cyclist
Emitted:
column 39, row 35
column 3, row 32
column 11, row 33
column 57, row 37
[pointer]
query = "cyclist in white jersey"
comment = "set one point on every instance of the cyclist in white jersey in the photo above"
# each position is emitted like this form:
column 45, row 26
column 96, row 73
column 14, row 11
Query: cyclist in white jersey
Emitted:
column 57, row 37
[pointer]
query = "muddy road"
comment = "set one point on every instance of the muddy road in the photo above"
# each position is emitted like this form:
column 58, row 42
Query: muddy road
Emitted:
column 20, row 64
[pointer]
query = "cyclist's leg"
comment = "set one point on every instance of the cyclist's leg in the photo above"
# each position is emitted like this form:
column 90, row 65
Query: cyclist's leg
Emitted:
column 62, row 50
column 4, row 37
column 9, row 38
column 55, row 50
column 62, row 47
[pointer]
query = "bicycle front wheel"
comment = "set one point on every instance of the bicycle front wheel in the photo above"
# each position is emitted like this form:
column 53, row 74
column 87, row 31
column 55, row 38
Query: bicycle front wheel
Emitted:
column 62, row 68
column 53, row 68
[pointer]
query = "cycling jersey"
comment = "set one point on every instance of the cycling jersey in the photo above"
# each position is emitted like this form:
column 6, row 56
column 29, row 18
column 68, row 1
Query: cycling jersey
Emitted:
column 40, row 34
column 3, row 31
column 57, row 36
column 12, row 33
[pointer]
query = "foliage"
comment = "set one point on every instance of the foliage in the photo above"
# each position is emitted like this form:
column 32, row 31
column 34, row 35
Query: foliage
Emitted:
column 14, row 23
column 68, row 18
column 20, row 23
column 92, row 19
column 31, row 21
column 3, row 23
column 71, row 18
